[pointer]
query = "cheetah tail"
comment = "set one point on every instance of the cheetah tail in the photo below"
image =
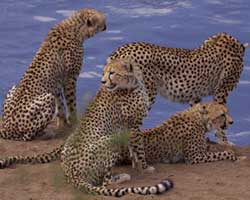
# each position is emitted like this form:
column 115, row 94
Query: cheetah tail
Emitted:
column 246, row 45
column 160, row 188
column 40, row 158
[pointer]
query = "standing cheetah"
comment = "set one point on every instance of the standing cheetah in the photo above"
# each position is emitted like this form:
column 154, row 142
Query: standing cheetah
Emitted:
column 31, row 105
column 183, row 75
column 89, row 153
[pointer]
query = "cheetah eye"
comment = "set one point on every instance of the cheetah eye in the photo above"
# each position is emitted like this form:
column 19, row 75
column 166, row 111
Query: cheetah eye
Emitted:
column 111, row 75
column 223, row 115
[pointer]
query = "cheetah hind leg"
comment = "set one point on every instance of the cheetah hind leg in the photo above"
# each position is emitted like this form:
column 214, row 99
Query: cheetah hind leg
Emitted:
column 8, row 105
column 40, row 111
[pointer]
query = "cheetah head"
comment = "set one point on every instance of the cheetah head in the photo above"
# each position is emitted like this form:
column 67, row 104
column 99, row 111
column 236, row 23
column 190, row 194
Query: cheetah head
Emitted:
column 121, row 74
column 92, row 22
column 215, row 115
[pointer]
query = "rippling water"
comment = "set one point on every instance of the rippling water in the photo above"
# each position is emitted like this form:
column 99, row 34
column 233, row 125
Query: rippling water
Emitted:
column 183, row 23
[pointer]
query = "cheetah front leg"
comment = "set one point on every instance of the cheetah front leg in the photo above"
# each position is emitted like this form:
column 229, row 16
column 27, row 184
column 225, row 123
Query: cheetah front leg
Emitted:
column 221, row 94
column 197, row 153
column 61, row 119
column 70, row 97
column 137, row 153
column 204, row 157
column 222, row 138
column 229, row 80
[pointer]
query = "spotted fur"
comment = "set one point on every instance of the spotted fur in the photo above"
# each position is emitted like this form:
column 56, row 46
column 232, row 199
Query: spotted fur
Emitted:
column 183, row 137
column 89, row 153
column 184, row 75
column 31, row 105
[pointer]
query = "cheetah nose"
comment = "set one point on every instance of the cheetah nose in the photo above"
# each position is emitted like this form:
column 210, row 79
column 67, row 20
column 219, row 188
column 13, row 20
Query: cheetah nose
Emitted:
column 103, row 82
column 231, row 122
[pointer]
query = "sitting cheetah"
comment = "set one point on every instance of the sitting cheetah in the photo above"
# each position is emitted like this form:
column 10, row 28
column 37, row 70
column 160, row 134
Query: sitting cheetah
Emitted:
column 88, row 154
column 182, row 137
column 183, row 75
column 31, row 105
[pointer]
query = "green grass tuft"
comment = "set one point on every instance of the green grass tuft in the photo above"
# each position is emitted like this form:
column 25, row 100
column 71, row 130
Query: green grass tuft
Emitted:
column 60, row 182
column 81, row 194
column 59, row 179
column 120, row 140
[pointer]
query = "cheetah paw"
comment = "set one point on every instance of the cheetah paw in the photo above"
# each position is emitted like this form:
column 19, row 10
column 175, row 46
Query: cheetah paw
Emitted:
column 230, row 144
column 149, row 169
column 120, row 178
column 241, row 158
column 226, row 143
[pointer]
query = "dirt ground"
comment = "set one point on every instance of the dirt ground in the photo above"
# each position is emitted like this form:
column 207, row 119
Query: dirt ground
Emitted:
column 223, row 180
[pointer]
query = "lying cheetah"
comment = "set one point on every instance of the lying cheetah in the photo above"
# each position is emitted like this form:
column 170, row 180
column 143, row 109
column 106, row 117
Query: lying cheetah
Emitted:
column 183, row 75
column 31, row 105
column 182, row 137
column 89, row 154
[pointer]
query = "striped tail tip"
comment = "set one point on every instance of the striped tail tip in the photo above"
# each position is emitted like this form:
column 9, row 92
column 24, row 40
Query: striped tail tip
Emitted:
column 4, row 163
column 168, row 183
column 160, row 188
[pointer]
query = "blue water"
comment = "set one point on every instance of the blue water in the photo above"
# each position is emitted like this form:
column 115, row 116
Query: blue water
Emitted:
column 183, row 23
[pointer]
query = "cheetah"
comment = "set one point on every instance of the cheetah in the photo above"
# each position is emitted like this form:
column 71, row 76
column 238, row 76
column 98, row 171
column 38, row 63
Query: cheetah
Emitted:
column 184, row 75
column 182, row 137
column 88, row 154
column 51, row 77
